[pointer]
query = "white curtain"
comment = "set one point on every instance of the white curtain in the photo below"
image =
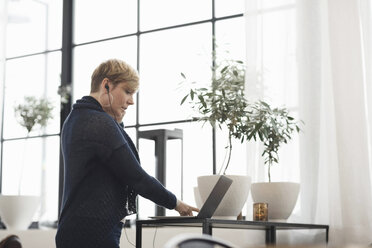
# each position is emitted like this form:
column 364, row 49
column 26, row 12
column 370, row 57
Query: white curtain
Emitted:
column 333, row 52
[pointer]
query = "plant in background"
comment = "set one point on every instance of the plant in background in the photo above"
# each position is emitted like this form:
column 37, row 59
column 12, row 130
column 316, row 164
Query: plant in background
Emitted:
column 33, row 111
column 272, row 126
column 224, row 103
column 65, row 92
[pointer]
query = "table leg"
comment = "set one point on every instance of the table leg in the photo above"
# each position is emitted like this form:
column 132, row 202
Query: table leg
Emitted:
column 207, row 228
column 271, row 235
column 138, row 235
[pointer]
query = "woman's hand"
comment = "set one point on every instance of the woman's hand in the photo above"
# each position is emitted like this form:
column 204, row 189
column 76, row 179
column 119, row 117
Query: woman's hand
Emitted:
column 185, row 209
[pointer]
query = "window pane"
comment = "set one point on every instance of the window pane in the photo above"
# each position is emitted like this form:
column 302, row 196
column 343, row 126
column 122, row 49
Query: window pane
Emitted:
column 33, row 166
column 55, row 9
column 88, row 57
column 40, row 76
column 50, row 179
column 197, row 161
column 18, row 154
column 164, row 55
column 162, row 13
column 96, row 20
column 34, row 26
column 230, row 39
column 53, row 81
column 227, row 7
column 238, row 164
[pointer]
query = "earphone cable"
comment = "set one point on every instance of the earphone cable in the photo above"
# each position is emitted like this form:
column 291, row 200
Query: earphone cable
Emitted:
column 108, row 94
column 126, row 235
column 153, row 240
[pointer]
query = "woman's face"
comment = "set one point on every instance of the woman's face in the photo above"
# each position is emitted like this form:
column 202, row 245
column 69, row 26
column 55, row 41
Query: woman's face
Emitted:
column 121, row 97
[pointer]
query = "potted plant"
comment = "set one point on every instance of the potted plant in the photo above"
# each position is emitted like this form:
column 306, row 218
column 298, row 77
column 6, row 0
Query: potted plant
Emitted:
column 16, row 211
column 273, row 127
column 223, row 105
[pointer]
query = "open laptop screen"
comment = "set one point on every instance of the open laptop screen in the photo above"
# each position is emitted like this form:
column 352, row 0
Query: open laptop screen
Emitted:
column 213, row 201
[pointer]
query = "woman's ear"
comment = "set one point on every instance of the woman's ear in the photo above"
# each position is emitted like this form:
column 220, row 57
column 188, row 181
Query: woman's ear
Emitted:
column 105, row 86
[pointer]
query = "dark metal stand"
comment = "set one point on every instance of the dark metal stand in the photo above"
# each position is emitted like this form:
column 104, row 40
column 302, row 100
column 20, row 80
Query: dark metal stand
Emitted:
column 270, row 235
column 207, row 225
column 161, row 136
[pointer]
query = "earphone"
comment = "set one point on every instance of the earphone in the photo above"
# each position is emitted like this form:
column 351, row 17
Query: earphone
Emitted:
column 107, row 88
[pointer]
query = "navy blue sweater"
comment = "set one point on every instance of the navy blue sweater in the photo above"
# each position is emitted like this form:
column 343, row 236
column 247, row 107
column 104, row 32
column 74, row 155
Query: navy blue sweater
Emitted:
column 102, row 177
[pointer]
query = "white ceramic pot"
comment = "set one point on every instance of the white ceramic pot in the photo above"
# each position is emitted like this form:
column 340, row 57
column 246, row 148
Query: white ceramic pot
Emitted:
column 235, row 197
column 281, row 198
column 16, row 211
column 198, row 200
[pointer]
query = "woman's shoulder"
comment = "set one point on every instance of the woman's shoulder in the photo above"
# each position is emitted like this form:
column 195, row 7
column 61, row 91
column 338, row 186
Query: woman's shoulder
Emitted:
column 96, row 126
column 102, row 124
column 90, row 118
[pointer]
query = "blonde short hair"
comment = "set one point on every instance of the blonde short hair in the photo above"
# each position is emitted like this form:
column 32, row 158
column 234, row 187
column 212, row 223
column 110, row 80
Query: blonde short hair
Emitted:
column 116, row 71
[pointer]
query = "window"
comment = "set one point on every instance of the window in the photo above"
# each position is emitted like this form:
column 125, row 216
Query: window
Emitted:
column 164, row 55
column 95, row 20
column 159, row 38
column 30, row 163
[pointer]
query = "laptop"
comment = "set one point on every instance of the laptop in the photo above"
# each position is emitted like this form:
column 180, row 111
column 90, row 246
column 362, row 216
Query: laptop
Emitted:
column 213, row 201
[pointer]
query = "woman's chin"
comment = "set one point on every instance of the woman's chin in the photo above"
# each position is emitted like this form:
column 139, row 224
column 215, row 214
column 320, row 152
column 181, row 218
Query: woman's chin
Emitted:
column 121, row 115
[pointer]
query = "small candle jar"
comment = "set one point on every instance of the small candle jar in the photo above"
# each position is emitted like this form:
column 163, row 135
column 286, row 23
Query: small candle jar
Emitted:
column 260, row 211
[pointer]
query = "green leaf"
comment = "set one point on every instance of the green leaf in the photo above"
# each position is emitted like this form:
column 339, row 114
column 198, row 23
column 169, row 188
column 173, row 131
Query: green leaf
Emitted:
column 192, row 94
column 265, row 104
column 201, row 98
column 260, row 135
column 183, row 75
column 258, row 126
column 224, row 69
column 252, row 134
column 184, row 99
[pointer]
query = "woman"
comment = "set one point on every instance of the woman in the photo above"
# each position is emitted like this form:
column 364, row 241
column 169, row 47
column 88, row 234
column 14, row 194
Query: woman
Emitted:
column 102, row 169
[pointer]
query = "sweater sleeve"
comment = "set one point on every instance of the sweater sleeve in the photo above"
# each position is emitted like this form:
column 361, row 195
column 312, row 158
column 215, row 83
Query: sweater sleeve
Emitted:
column 127, row 169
